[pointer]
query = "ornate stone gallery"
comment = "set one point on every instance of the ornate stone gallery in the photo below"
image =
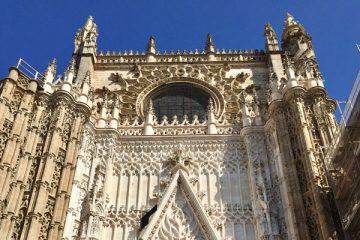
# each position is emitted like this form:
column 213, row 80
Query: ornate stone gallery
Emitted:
column 209, row 144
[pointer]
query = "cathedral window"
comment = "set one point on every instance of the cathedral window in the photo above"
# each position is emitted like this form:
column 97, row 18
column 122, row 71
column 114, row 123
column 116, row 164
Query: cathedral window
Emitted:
column 179, row 100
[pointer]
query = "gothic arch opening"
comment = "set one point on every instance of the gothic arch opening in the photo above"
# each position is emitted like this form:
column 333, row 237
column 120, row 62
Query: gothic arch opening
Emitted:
column 180, row 99
column 212, row 92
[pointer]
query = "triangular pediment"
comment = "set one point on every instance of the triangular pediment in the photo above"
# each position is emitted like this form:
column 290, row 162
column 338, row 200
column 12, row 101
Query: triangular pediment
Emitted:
column 179, row 215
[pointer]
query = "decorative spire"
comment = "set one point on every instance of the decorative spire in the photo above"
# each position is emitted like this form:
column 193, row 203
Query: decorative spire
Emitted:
column 50, row 71
column 69, row 76
column 210, row 107
column 49, row 76
column 293, row 30
column 150, row 109
column 149, row 120
column 268, row 28
column 103, row 110
column 87, row 79
column 86, row 37
column 70, row 71
column 89, row 23
column 271, row 40
column 289, row 66
column 289, row 21
column 116, row 103
column 211, row 118
column 287, row 61
column 209, row 45
column 151, row 47
column 114, row 122
column 85, row 88
column 274, row 92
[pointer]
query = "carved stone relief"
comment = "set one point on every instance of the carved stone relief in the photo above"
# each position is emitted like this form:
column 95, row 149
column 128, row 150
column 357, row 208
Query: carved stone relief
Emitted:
column 140, row 171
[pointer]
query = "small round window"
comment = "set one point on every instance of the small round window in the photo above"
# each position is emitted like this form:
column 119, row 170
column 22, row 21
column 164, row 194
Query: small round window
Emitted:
column 180, row 100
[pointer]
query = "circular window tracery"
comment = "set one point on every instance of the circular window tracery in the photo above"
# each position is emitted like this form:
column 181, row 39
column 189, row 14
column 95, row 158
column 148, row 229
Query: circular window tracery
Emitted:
column 180, row 100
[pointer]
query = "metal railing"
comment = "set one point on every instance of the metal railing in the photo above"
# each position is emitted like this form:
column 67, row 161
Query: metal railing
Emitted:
column 350, row 102
column 28, row 70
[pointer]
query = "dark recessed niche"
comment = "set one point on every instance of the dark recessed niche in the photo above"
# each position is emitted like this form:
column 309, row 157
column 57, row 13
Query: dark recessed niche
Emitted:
column 180, row 100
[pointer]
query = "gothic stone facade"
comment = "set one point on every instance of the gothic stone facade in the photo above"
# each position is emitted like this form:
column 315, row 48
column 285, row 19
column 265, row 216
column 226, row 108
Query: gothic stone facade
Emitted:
column 89, row 156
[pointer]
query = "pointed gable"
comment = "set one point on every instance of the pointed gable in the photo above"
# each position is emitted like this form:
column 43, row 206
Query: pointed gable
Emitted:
column 179, row 214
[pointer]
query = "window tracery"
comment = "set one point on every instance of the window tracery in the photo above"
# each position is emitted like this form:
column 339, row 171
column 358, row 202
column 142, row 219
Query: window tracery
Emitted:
column 180, row 100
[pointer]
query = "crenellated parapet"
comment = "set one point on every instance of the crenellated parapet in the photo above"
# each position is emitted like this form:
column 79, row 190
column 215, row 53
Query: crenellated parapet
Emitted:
column 213, row 144
column 107, row 59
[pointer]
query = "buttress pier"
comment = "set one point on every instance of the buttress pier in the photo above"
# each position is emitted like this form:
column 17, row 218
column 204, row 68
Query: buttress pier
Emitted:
column 197, row 144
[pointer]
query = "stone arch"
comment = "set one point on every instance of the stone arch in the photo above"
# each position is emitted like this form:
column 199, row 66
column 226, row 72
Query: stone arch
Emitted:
column 214, row 93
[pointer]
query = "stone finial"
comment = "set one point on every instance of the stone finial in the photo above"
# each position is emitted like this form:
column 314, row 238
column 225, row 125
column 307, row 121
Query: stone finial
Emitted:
column 151, row 50
column 268, row 29
column 59, row 79
column 289, row 70
column 287, row 60
column 274, row 86
column 289, row 21
column 87, row 79
column 149, row 120
column 301, row 43
column 289, row 66
column 114, row 122
column 116, row 103
column 271, row 40
column 246, row 118
column 150, row 108
column 85, row 89
column 104, row 104
column 103, row 111
column 50, row 71
column 151, row 47
column 69, row 76
column 211, row 118
column 70, row 71
column 209, row 45
column 210, row 107
column 85, row 38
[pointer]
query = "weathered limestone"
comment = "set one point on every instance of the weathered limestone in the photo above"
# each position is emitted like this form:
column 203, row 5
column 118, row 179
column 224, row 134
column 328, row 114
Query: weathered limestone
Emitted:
column 260, row 183
column 112, row 151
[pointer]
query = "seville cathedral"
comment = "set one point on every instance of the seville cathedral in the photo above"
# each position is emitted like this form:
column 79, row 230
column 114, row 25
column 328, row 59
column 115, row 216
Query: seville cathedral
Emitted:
column 197, row 144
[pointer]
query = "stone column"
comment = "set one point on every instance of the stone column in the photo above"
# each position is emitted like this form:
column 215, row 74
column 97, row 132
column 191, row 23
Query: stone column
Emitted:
column 6, row 95
column 290, row 192
column 149, row 120
column 260, row 185
column 311, row 163
column 66, row 180
column 40, row 201
column 12, row 184
column 16, row 138
column 15, row 198
column 101, row 123
column 211, row 120
column 114, row 121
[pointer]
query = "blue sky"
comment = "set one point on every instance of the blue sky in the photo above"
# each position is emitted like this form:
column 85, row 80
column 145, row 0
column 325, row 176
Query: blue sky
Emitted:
column 39, row 30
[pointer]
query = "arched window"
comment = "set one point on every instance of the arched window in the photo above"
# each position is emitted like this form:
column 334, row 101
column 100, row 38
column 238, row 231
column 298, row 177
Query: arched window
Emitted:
column 180, row 100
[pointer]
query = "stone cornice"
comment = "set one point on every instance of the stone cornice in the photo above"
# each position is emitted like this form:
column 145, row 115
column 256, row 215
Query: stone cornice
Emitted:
column 294, row 92
column 183, row 53
column 129, row 65
column 275, row 105
column 112, row 133
column 79, row 106
column 251, row 129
